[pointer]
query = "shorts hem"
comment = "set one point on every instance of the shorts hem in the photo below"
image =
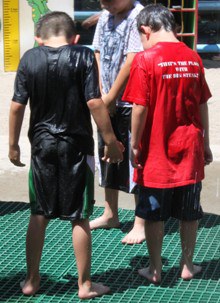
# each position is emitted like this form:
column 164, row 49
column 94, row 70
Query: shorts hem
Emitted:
column 64, row 218
column 156, row 218
column 121, row 188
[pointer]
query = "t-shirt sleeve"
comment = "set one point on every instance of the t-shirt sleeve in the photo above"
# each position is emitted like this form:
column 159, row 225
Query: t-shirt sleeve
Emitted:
column 134, row 41
column 96, row 38
column 138, row 87
column 206, row 94
column 21, row 94
column 91, row 80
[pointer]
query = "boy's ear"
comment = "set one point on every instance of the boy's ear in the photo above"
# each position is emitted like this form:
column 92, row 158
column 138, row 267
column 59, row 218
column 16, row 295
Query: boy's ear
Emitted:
column 145, row 30
column 39, row 40
column 75, row 39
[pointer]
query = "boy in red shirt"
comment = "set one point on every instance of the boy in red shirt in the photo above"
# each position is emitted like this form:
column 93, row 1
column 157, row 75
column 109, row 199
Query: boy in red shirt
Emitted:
column 170, row 136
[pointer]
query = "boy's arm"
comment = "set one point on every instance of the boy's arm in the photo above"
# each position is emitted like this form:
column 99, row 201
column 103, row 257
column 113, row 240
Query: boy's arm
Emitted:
column 205, row 123
column 16, row 116
column 91, row 21
column 138, row 121
column 119, row 84
column 97, row 56
column 114, row 149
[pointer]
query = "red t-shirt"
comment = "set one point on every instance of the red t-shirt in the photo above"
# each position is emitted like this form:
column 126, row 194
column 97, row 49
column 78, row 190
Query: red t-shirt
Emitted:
column 169, row 79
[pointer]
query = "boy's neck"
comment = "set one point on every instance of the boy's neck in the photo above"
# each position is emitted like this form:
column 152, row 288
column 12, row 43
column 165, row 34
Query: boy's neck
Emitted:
column 163, row 36
column 126, row 10
column 55, row 41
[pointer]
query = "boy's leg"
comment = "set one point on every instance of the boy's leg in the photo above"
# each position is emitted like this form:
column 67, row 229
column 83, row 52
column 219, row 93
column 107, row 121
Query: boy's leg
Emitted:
column 188, row 210
column 81, row 236
column 188, row 231
column 114, row 175
column 34, row 246
column 137, row 234
column 109, row 219
column 154, row 238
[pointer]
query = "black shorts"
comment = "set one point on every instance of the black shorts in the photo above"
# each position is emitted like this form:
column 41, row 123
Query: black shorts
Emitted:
column 118, row 175
column 182, row 203
column 61, row 180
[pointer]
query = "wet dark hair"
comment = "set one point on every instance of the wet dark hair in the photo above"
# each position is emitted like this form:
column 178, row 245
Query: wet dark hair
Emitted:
column 156, row 16
column 55, row 24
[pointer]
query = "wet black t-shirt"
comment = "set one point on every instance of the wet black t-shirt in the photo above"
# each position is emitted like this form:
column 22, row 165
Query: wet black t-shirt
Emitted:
column 59, row 82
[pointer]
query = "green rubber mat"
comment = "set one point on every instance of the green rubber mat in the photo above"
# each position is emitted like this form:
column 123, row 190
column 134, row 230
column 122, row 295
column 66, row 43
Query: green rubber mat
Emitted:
column 114, row 264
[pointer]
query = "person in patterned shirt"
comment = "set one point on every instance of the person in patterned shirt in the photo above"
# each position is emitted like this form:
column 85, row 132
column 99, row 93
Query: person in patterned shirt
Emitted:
column 116, row 41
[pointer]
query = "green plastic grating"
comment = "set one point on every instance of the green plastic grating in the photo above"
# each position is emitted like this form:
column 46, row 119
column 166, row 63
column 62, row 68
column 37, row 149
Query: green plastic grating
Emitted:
column 114, row 264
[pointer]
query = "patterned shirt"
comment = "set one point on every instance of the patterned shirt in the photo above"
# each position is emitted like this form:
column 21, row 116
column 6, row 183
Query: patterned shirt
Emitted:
column 114, row 41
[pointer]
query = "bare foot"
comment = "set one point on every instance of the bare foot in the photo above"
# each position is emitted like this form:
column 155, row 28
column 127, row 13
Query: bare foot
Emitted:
column 96, row 290
column 188, row 274
column 30, row 287
column 103, row 222
column 135, row 236
column 152, row 276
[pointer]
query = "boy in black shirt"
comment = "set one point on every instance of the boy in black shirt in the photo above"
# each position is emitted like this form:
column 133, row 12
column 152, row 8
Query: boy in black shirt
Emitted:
column 61, row 82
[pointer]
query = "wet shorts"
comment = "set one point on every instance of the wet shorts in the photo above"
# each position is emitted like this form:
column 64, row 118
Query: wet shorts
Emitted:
column 182, row 203
column 118, row 176
column 61, row 180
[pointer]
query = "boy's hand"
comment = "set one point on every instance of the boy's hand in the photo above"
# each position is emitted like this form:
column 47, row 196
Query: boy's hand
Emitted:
column 134, row 157
column 208, row 155
column 14, row 156
column 111, row 105
column 113, row 152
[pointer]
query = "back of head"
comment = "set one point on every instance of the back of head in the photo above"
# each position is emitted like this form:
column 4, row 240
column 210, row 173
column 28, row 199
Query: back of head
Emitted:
column 55, row 24
column 156, row 16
